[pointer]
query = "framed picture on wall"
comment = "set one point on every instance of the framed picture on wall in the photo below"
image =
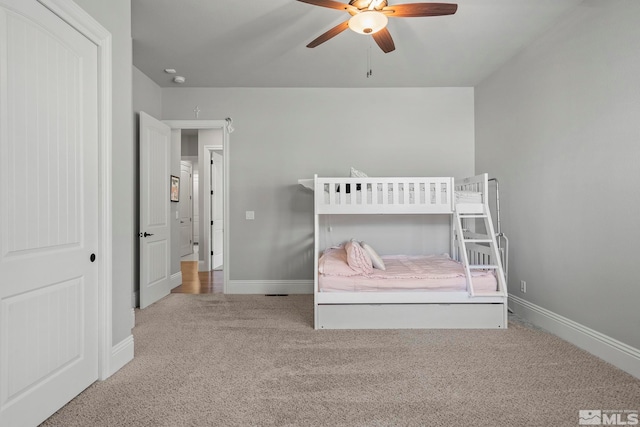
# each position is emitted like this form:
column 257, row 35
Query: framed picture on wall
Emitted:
column 175, row 188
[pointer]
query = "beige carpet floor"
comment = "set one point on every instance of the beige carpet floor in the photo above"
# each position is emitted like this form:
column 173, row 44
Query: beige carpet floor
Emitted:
column 225, row 360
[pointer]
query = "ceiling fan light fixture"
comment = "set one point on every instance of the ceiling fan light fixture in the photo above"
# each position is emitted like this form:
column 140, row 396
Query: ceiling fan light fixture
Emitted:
column 368, row 22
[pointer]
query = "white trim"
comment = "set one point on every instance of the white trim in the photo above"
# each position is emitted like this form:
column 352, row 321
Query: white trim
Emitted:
column 84, row 23
column 214, row 124
column 175, row 280
column 121, row 354
column 263, row 287
column 196, row 124
column 133, row 318
column 603, row 346
column 226, row 240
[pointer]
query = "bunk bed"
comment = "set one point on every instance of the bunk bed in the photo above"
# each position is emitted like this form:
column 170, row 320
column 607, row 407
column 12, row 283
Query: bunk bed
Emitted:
column 465, row 289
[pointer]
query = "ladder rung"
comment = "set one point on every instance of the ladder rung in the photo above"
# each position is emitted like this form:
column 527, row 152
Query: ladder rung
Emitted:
column 478, row 240
column 463, row 216
column 483, row 267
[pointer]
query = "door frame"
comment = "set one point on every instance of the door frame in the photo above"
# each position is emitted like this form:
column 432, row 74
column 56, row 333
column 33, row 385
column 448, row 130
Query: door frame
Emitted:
column 206, row 221
column 86, row 25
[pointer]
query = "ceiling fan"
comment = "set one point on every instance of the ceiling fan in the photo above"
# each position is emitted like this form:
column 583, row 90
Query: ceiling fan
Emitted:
column 371, row 17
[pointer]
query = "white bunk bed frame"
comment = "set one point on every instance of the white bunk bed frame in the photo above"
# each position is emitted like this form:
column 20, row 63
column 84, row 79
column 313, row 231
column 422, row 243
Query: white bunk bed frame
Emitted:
column 417, row 309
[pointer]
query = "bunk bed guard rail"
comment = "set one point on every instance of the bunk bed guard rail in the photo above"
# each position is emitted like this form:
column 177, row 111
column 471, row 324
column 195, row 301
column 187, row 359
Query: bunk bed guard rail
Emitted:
column 384, row 195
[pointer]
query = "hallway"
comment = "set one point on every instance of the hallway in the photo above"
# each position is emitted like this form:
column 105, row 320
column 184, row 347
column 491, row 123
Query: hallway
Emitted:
column 194, row 282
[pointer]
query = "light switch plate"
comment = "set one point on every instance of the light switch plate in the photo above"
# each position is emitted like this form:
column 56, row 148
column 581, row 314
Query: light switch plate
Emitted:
column 250, row 215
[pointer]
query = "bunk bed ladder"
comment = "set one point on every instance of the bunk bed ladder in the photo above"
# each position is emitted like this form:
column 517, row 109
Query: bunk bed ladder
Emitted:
column 465, row 237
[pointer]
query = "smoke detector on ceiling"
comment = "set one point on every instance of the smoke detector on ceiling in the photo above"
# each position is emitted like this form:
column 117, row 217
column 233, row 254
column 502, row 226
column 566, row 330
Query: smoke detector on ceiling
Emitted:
column 179, row 79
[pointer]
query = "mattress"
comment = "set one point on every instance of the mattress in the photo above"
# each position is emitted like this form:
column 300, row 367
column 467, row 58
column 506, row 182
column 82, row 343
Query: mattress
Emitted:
column 484, row 283
column 403, row 273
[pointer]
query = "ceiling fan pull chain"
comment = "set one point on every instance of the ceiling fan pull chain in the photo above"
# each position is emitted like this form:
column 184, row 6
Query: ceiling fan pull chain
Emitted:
column 369, row 70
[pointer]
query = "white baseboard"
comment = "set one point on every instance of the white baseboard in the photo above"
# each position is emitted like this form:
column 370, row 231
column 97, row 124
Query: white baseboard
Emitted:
column 609, row 349
column 133, row 318
column 263, row 287
column 176, row 279
column 121, row 354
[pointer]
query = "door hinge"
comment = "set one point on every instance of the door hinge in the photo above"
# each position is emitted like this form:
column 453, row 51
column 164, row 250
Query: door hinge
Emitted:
column 211, row 253
column 211, row 222
column 212, row 192
column 211, row 161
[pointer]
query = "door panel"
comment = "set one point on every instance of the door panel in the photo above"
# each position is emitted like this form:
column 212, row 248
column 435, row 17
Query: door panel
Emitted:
column 155, row 235
column 186, row 209
column 217, row 209
column 49, row 213
column 196, row 216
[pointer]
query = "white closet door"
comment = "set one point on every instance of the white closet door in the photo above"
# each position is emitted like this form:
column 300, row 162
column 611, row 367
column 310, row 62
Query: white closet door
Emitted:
column 196, row 209
column 186, row 209
column 48, row 213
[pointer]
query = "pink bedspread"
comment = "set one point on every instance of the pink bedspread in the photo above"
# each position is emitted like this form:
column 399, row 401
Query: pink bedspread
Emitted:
column 403, row 272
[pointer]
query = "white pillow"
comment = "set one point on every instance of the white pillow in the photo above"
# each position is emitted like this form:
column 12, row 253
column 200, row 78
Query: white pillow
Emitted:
column 355, row 173
column 375, row 258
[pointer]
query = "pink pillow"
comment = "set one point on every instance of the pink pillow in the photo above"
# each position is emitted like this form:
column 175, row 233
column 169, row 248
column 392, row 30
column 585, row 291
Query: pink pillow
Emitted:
column 357, row 258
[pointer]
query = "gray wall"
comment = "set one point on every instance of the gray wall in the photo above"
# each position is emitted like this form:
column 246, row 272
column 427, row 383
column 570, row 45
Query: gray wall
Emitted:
column 147, row 97
column 558, row 125
column 189, row 146
column 282, row 135
column 115, row 16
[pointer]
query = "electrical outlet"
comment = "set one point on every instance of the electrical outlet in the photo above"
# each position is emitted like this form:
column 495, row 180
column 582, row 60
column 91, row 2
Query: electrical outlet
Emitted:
column 523, row 286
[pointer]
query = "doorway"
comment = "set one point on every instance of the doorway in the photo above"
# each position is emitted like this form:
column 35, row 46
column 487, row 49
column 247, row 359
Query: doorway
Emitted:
column 212, row 197
column 189, row 210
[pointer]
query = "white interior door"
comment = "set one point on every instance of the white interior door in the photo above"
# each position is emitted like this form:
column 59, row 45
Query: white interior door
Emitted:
column 49, row 213
column 196, row 209
column 155, row 235
column 185, row 208
column 217, row 209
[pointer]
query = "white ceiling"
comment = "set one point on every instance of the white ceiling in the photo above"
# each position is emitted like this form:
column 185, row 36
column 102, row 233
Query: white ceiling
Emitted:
column 260, row 43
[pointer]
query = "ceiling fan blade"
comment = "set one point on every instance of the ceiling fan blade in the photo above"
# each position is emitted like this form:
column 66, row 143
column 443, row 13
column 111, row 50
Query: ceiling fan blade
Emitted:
column 330, row 4
column 384, row 40
column 419, row 9
column 329, row 34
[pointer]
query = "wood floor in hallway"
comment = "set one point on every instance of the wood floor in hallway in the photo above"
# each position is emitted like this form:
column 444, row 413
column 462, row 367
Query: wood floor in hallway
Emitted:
column 194, row 282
